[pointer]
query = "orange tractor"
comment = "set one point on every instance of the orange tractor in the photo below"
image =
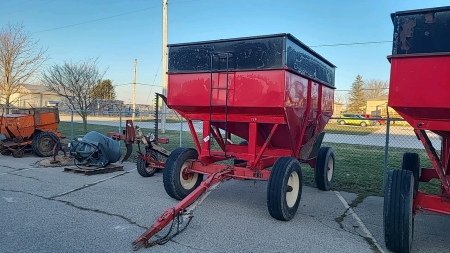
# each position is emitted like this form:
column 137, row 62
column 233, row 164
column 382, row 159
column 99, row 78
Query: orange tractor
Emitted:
column 30, row 129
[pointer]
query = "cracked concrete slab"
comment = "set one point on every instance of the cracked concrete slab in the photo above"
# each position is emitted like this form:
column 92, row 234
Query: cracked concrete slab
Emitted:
column 48, row 210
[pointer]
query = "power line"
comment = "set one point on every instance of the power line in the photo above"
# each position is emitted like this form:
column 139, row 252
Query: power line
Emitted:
column 353, row 43
column 146, row 101
column 99, row 19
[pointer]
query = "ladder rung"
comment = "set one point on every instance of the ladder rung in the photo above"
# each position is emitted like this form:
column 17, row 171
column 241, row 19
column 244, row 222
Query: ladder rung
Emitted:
column 219, row 88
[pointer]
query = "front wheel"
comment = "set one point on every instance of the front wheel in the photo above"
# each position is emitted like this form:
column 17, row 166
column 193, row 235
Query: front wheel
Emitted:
column 324, row 170
column 143, row 167
column 177, row 182
column 411, row 162
column 284, row 189
column 43, row 143
column 398, row 211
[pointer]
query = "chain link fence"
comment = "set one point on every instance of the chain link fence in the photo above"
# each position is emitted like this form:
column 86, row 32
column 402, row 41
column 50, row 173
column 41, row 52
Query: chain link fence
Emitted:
column 363, row 152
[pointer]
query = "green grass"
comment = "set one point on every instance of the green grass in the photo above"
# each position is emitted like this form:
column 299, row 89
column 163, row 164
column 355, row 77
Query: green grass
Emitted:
column 358, row 169
column 334, row 128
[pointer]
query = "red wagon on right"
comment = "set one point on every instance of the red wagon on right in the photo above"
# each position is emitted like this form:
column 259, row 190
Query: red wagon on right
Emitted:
column 420, row 93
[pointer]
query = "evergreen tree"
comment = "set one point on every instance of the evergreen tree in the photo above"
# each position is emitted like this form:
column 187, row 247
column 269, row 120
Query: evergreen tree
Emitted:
column 104, row 90
column 357, row 98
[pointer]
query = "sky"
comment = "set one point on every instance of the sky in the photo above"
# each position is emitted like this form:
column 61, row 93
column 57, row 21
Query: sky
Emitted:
column 120, row 31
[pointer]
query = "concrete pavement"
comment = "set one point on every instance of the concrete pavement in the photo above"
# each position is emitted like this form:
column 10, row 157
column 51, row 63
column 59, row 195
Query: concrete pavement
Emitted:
column 48, row 210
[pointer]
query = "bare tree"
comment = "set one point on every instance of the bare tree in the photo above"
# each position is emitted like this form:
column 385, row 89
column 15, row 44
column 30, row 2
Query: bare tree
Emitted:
column 75, row 82
column 375, row 88
column 20, row 60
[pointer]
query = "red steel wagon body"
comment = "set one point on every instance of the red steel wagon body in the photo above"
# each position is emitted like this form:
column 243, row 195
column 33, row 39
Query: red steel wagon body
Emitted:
column 420, row 93
column 272, row 92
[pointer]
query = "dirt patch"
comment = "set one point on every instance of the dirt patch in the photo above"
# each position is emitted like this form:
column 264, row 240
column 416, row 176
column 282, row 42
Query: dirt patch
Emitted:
column 60, row 160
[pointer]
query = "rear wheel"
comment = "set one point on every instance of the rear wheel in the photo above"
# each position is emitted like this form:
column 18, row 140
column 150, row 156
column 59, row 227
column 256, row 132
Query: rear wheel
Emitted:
column 411, row 162
column 143, row 167
column 177, row 183
column 398, row 211
column 43, row 143
column 284, row 189
column 324, row 170
column 18, row 153
column 5, row 152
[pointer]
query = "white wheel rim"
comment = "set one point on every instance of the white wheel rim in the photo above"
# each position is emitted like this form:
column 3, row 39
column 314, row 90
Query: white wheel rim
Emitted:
column 294, row 182
column 190, row 182
column 330, row 168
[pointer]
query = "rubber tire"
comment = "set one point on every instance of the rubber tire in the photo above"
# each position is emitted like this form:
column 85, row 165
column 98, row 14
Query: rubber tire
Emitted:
column 322, row 167
column 398, row 217
column 142, row 165
column 411, row 162
column 172, row 171
column 39, row 137
column 341, row 122
column 6, row 152
column 18, row 153
column 237, row 161
column 278, row 185
column 363, row 124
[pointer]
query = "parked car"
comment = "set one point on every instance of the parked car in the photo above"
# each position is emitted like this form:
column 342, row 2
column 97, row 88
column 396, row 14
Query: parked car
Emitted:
column 376, row 119
column 354, row 119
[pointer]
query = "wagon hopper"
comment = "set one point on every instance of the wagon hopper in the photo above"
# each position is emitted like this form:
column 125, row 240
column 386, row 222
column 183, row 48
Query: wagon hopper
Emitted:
column 274, row 93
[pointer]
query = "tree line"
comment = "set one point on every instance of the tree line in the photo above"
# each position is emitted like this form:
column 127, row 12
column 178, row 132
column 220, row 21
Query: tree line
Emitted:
column 81, row 83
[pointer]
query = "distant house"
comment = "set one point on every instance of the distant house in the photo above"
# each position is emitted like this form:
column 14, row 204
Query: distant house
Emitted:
column 378, row 107
column 34, row 96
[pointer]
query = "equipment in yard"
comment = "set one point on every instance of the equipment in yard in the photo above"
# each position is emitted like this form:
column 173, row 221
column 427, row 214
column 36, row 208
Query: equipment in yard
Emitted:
column 30, row 129
column 152, row 158
column 273, row 92
column 419, row 92
column 95, row 149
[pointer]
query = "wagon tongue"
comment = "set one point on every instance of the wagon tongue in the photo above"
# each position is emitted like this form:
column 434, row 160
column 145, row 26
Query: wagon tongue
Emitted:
column 128, row 154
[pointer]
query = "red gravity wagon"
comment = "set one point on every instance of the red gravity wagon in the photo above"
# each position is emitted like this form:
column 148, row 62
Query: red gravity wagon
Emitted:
column 420, row 92
column 274, row 93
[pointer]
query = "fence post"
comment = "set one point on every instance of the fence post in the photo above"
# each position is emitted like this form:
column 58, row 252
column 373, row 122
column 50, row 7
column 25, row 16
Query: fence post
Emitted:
column 120, row 121
column 386, row 148
column 181, row 131
column 71, row 125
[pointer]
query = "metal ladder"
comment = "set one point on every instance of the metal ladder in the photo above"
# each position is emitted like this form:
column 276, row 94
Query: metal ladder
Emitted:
column 220, row 56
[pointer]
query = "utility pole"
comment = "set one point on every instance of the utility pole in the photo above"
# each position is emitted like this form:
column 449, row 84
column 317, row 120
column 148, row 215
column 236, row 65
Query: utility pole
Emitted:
column 164, row 66
column 133, row 113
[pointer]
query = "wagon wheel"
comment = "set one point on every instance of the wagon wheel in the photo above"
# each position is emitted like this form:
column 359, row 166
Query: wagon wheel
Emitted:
column 363, row 124
column 143, row 167
column 18, row 153
column 238, row 161
column 398, row 211
column 284, row 189
column 43, row 143
column 341, row 122
column 324, row 170
column 411, row 162
column 177, row 183
column 5, row 152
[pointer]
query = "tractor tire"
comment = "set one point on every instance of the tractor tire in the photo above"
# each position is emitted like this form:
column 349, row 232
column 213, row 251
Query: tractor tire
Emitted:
column 284, row 189
column 5, row 152
column 143, row 167
column 398, row 217
column 324, row 170
column 177, row 184
column 411, row 162
column 238, row 161
column 18, row 153
column 43, row 143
